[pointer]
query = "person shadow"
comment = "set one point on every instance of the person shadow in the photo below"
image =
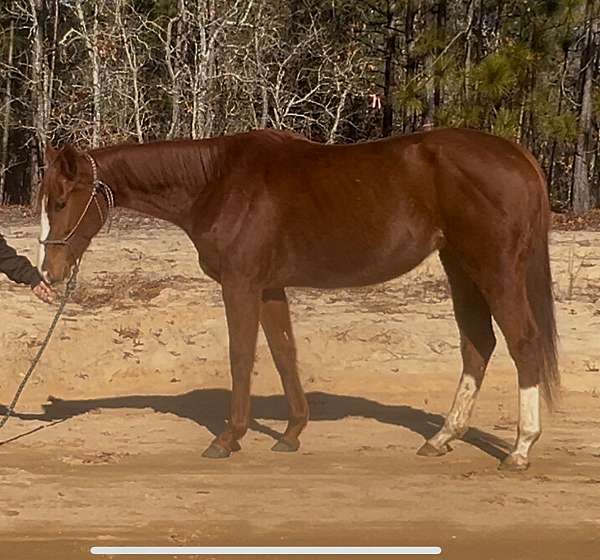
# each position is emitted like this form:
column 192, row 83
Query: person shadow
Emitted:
column 207, row 407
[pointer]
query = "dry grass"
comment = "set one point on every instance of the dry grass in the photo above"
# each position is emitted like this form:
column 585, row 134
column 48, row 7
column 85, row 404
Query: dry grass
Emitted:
column 127, row 289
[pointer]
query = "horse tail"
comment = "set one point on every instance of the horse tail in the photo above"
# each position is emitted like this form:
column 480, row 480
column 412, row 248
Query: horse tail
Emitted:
column 540, row 296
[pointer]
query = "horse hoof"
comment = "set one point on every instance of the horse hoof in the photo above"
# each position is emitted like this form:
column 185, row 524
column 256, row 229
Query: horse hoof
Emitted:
column 214, row 451
column 428, row 450
column 286, row 446
column 514, row 463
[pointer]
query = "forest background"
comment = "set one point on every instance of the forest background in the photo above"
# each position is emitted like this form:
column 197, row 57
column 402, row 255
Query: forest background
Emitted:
column 98, row 73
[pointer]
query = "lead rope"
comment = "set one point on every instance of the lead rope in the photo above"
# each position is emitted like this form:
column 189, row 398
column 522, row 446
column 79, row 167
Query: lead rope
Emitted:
column 71, row 284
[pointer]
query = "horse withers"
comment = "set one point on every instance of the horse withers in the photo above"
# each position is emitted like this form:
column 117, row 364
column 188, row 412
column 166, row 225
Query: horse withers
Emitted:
column 268, row 210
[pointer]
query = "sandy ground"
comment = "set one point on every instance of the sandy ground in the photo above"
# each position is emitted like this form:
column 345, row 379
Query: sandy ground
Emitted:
column 138, row 376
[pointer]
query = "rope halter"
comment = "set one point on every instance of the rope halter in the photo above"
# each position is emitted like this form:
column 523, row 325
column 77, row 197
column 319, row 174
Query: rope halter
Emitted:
column 98, row 187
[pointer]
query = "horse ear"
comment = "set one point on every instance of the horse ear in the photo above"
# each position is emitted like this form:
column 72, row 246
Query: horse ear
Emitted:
column 68, row 159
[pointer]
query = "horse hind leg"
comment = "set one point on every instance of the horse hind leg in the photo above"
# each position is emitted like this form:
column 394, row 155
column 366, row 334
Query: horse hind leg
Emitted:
column 525, row 344
column 519, row 294
column 477, row 338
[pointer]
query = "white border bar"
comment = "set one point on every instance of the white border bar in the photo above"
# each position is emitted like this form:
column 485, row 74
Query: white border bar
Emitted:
column 268, row 550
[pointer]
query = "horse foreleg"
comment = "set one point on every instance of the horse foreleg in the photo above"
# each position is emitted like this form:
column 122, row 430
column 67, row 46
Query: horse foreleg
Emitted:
column 276, row 323
column 242, row 304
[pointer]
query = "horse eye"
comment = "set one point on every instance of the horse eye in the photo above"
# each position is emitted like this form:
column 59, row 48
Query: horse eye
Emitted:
column 59, row 205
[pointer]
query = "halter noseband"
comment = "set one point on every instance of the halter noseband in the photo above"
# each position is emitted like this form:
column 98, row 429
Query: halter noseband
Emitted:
column 97, row 187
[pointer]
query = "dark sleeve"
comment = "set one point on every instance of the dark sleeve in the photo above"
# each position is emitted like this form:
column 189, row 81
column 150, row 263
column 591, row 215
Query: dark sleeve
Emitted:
column 16, row 267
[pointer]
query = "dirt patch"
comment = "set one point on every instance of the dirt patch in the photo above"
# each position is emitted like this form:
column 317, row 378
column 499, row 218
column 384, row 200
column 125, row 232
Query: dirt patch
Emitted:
column 139, row 370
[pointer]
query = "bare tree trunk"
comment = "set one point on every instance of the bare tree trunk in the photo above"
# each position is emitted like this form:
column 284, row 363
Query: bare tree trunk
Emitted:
column 411, row 64
column 264, row 94
column 91, row 44
column 428, row 114
column 338, row 115
column 581, row 189
column 175, row 66
column 209, row 28
column 388, row 72
column 199, row 77
column 38, row 93
column 49, row 66
column 133, row 68
column 595, row 190
column 440, row 30
column 42, row 76
column 558, row 112
column 7, row 107
column 469, row 48
column 521, row 127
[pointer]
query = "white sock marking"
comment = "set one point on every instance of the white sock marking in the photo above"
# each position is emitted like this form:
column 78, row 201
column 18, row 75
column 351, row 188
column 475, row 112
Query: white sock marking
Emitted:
column 44, row 231
column 530, row 426
column 458, row 418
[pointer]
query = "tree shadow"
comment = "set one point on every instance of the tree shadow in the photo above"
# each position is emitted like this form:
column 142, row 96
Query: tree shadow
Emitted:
column 206, row 407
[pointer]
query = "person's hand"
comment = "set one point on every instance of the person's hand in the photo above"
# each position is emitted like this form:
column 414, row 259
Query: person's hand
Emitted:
column 44, row 292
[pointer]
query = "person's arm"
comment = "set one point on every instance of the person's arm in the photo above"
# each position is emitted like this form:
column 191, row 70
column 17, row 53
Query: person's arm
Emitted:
column 19, row 269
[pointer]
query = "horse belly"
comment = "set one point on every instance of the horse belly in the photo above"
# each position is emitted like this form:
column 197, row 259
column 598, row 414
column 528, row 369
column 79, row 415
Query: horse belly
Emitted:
column 348, row 264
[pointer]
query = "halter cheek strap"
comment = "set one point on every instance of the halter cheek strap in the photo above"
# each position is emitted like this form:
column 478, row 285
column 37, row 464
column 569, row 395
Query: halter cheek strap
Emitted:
column 97, row 187
column 101, row 186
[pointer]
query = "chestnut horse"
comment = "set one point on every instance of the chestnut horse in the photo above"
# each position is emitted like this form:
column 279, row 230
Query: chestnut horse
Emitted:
column 269, row 209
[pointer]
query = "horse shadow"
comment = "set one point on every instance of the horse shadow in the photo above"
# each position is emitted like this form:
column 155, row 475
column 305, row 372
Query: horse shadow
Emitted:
column 206, row 407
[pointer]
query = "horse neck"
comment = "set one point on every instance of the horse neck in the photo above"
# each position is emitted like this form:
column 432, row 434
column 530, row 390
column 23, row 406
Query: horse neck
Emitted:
column 164, row 179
